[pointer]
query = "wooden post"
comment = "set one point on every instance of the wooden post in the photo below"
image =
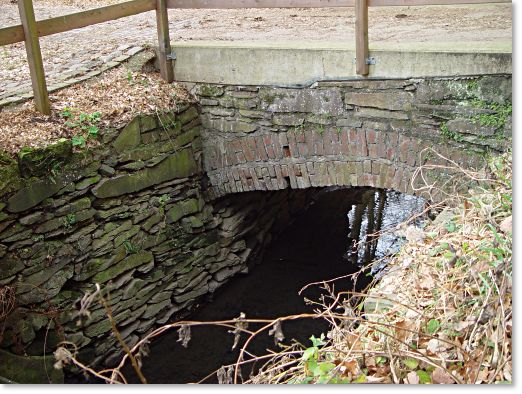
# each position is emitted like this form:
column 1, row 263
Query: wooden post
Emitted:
column 361, row 37
column 162, row 21
column 34, row 56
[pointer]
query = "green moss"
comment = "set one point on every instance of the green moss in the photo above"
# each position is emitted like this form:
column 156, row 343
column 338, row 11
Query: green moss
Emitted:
column 44, row 161
column 496, row 120
column 211, row 90
column 10, row 180
column 451, row 135
column 34, row 369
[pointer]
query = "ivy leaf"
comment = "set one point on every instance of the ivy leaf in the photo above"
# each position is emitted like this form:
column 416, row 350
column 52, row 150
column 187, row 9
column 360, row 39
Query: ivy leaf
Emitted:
column 411, row 363
column 433, row 326
column 323, row 369
column 316, row 342
column 78, row 140
column 424, row 377
column 308, row 353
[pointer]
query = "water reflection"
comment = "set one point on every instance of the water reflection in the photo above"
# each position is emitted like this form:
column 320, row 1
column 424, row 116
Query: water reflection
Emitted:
column 373, row 221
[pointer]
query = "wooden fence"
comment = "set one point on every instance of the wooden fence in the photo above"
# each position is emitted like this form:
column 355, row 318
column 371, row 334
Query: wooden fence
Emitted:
column 30, row 30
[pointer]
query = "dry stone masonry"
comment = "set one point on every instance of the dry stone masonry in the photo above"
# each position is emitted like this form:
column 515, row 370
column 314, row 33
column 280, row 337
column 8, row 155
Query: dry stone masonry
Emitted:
column 159, row 215
column 130, row 216
column 351, row 133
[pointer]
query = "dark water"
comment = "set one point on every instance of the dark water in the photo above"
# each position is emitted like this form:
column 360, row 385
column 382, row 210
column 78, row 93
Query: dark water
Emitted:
column 315, row 247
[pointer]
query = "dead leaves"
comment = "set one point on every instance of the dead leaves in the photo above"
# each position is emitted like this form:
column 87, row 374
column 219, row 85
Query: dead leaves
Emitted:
column 118, row 95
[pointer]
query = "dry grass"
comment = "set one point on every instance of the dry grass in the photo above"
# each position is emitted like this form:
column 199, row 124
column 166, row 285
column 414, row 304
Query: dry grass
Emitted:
column 118, row 95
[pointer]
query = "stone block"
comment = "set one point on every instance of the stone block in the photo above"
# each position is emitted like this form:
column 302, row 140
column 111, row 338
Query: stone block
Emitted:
column 288, row 119
column 132, row 261
column 179, row 165
column 129, row 137
column 316, row 101
column 392, row 101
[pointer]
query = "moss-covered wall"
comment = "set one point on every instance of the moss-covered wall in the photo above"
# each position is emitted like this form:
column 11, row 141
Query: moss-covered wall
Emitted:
column 129, row 215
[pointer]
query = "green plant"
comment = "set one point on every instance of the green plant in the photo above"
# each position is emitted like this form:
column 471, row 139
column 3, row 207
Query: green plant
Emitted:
column 320, row 128
column 130, row 248
column 449, row 134
column 318, row 370
column 86, row 125
column 496, row 120
column 69, row 220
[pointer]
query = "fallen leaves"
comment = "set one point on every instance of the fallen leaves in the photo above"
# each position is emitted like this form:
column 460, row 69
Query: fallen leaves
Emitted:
column 118, row 95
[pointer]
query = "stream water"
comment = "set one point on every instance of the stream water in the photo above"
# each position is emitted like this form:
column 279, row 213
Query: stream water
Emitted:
column 318, row 245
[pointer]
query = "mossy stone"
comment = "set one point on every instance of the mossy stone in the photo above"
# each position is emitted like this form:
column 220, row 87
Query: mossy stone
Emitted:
column 85, row 183
column 182, row 208
column 179, row 165
column 44, row 161
column 129, row 137
column 29, row 369
column 133, row 261
column 188, row 115
column 210, row 90
column 9, row 176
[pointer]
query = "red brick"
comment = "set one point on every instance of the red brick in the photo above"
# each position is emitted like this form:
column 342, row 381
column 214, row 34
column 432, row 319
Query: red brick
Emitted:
column 302, row 150
column 278, row 150
column 334, row 137
column 362, row 149
column 270, row 152
column 370, row 136
column 318, row 144
column 310, row 142
column 231, row 158
column 300, row 136
column 344, row 142
column 292, row 144
column 261, row 148
column 353, row 136
column 390, row 153
column 372, row 151
column 327, row 143
column 241, row 157
column 404, row 148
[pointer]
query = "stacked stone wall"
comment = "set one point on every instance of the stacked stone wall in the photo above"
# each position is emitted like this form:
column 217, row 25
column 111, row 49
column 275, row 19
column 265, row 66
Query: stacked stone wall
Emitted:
column 129, row 215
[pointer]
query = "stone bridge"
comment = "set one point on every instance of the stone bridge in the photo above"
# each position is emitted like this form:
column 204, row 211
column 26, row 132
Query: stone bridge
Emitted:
column 158, row 213
column 277, row 117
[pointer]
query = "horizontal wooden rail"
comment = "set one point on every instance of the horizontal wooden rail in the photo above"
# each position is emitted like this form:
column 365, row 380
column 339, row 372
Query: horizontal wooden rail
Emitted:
column 229, row 4
column 12, row 34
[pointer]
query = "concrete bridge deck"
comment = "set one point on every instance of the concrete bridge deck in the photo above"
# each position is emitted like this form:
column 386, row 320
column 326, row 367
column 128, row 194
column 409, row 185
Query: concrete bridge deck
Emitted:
column 303, row 63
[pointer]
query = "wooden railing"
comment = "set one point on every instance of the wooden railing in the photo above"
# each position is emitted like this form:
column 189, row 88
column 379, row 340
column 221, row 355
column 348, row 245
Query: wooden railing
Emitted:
column 30, row 30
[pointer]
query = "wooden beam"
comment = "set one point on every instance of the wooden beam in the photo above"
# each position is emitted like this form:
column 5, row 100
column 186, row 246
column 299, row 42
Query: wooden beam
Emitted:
column 361, row 37
column 34, row 56
column 12, row 34
column 164, row 49
column 229, row 4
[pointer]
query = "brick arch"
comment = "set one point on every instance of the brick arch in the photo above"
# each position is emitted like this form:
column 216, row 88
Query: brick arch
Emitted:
column 304, row 158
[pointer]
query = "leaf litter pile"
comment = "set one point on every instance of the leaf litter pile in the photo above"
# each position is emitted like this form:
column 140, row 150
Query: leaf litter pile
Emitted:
column 441, row 315
column 110, row 100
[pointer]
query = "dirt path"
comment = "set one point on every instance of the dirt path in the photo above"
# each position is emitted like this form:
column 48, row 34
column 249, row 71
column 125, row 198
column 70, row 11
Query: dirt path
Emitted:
column 70, row 55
